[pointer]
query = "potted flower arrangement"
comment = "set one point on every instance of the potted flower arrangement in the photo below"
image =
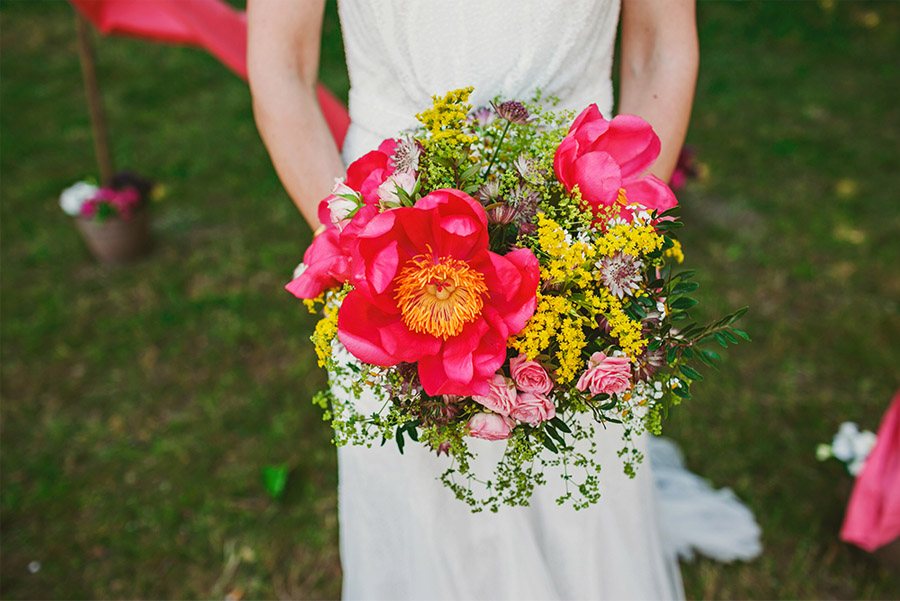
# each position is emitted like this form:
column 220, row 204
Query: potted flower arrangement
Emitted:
column 114, row 219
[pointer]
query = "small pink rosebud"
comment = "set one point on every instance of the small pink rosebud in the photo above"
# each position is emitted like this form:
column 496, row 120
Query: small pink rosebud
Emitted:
column 490, row 426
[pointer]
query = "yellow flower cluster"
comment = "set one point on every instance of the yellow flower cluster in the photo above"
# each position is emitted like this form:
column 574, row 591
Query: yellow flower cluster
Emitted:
column 571, row 342
column 629, row 238
column 447, row 116
column 624, row 329
column 566, row 262
column 324, row 334
column 542, row 327
column 675, row 252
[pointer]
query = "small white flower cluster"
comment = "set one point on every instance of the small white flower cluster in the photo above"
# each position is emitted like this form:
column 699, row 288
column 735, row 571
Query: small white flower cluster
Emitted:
column 643, row 396
column 849, row 446
column 73, row 198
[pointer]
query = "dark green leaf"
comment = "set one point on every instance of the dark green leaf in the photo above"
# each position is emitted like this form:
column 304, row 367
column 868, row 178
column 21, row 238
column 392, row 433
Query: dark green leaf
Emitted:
column 691, row 373
column 685, row 287
column 560, row 424
column 685, row 302
column 741, row 334
column 401, row 442
column 549, row 444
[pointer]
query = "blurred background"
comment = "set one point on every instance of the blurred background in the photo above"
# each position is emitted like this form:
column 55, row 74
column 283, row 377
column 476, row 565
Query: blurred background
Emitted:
column 158, row 439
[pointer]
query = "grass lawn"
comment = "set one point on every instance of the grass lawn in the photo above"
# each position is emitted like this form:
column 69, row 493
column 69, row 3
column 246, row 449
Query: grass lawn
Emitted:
column 139, row 405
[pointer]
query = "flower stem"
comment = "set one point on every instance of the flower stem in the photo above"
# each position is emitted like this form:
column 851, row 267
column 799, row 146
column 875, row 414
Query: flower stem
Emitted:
column 496, row 150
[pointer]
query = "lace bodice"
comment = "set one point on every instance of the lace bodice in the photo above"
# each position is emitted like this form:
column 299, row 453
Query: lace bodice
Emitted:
column 400, row 52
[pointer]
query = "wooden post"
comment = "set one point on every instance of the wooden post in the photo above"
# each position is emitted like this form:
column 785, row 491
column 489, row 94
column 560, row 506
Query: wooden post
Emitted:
column 94, row 100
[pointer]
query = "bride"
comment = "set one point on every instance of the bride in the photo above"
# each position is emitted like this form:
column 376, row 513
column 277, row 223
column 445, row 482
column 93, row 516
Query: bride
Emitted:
column 403, row 535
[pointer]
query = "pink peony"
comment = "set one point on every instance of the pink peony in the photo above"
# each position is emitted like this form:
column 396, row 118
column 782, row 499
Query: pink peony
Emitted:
column 490, row 426
column 501, row 396
column 328, row 257
column 428, row 290
column 603, row 157
column 529, row 375
column 533, row 408
column 606, row 375
column 326, row 266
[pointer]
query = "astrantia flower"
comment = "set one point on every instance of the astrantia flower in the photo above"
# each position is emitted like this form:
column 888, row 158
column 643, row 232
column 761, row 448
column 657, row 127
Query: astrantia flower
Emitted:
column 607, row 161
column 513, row 111
column 483, row 115
column 489, row 192
column 621, row 274
column 428, row 290
column 525, row 199
column 406, row 156
column 528, row 169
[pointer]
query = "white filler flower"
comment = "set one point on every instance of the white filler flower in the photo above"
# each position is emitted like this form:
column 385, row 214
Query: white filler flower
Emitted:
column 73, row 197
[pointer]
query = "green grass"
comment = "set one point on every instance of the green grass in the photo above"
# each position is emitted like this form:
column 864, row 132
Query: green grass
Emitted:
column 139, row 404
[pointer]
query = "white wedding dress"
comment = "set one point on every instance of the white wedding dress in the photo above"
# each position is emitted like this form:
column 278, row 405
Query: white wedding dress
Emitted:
column 403, row 535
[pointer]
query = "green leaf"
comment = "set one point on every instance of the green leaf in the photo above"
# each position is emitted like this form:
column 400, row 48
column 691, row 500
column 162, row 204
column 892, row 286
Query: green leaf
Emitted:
column 549, row 444
column 556, row 435
column 560, row 424
column 401, row 442
column 691, row 373
column 670, row 354
column 685, row 302
column 741, row 333
column 274, row 479
column 711, row 355
column 685, row 287
column 682, row 392
column 668, row 213
column 723, row 342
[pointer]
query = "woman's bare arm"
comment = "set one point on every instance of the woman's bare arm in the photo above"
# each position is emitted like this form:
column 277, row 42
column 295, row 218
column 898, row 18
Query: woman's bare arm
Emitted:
column 283, row 65
column 659, row 61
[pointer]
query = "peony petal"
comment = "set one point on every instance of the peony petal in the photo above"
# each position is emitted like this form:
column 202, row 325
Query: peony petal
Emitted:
column 521, row 299
column 326, row 267
column 590, row 113
column 382, row 267
column 632, row 142
column 598, row 178
column 359, row 324
column 651, row 192
column 565, row 155
column 405, row 345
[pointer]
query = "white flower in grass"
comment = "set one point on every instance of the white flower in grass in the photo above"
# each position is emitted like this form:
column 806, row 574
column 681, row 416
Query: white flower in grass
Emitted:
column 852, row 446
column 73, row 197
column 621, row 274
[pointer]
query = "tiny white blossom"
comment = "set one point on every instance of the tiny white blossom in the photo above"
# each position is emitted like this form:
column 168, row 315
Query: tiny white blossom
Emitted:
column 299, row 269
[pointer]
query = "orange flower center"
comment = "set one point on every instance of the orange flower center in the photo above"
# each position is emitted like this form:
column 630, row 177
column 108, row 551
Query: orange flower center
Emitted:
column 439, row 296
column 621, row 198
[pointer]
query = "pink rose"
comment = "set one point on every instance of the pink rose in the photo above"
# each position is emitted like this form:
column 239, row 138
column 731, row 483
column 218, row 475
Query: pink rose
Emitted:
column 603, row 157
column 490, row 426
column 533, row 409
column 501, row 396
column 606, row 375
column 529, row 375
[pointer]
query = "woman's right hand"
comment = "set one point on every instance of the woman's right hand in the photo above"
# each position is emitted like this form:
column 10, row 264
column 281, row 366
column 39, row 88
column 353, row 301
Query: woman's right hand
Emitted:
column 283, row 66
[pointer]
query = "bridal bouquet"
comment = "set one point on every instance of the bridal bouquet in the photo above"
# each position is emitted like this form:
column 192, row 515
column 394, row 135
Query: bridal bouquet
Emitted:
column 505, row 273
